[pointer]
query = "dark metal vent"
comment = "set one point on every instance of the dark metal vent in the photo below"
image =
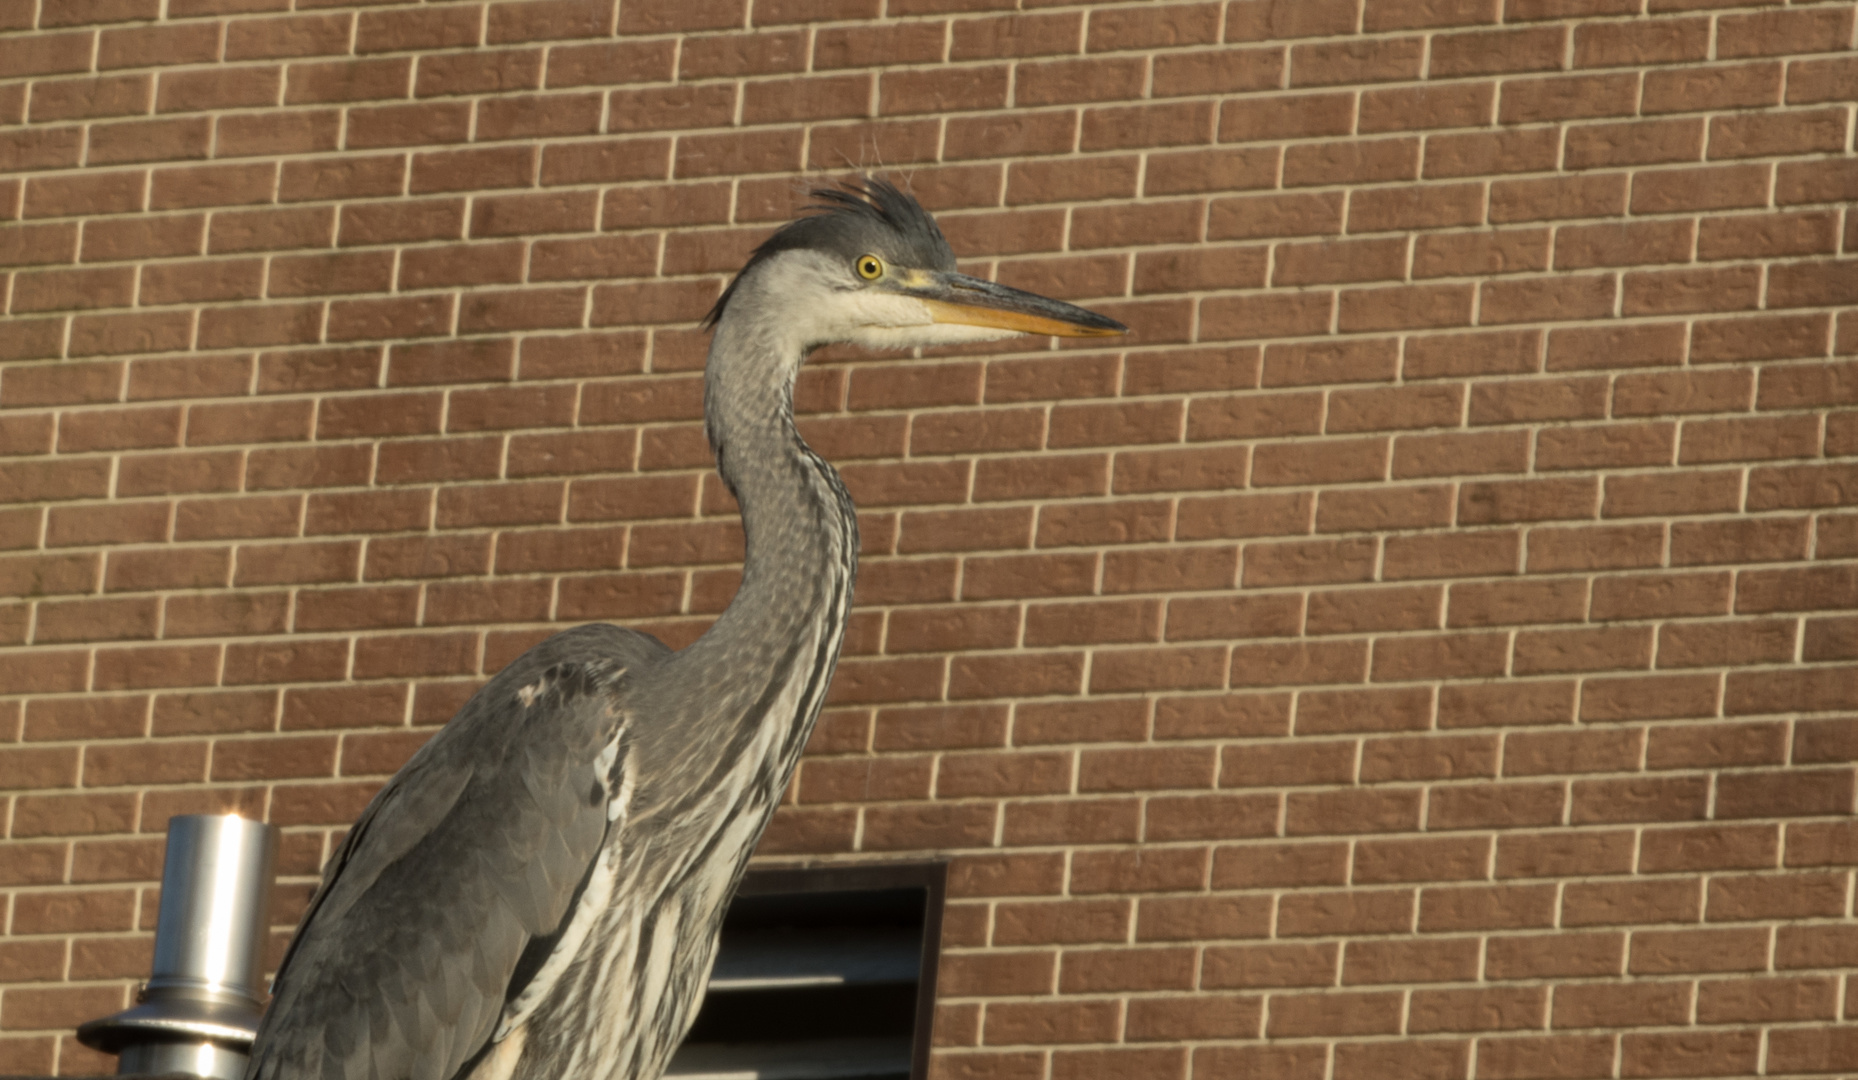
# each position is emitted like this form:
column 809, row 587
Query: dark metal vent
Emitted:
column 823, row 973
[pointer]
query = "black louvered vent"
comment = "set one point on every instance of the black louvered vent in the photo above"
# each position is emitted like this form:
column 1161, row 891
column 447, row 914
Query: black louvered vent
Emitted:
column 823, row 973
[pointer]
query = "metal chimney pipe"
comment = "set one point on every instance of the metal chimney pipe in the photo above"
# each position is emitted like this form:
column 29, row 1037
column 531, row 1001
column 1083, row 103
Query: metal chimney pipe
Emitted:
column 199, row 1009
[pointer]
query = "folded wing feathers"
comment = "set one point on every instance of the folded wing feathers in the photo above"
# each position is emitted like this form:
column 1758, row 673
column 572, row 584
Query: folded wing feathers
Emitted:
column 477, row 847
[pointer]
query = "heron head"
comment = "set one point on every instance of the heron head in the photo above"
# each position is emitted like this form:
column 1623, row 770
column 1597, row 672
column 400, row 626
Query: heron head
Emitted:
column 867, row 264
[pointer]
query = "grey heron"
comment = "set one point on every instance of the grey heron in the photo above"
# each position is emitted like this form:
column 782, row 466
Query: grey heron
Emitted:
column 538, row 892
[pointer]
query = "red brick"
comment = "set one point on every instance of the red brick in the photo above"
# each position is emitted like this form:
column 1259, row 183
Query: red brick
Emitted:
column 1552, row 854
column 1666, row 1055
column 1408, row 108
column 1742, row 236
column 1632, row 44
column 73, row 815
column 1489, row 51
column 1568, row 97
column 105, row 193
column 1363, row 1013
column 1286, row 514
column 1550, row 299
column 998, row 974
column 1308, row 562
column 1201, row 1016
column 267, row 230
column 1526, row 500
column 1443, row 859
column 1528, row 150
column 1621, row 1006
column 1469, row 453
column 1380, row 60
column 1066, row 821
column 1561, row 954
column 1358, row 162
column 1702, row 188
column 1048, row 1023
column 1817, row 80
column 1665, row 952
column 1481, row 907
column 1536, row 1057
column 1759, row 1000
column 1201, row 716
column 1715, row 87
column 1496, row 1009
column 1368, row 811
column 1631, row 902
column 347, row 80
column 1494, row 252
column 1801, row 132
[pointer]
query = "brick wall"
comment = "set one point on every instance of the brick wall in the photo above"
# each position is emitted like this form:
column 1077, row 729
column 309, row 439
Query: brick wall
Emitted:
column 1418, row 650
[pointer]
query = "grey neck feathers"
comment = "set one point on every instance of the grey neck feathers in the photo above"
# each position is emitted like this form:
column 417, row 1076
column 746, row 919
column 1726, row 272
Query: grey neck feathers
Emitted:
column 800, row 527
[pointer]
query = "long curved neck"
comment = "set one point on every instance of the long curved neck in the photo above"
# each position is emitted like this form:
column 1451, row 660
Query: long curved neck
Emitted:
column 799, row 524
column 760, row 673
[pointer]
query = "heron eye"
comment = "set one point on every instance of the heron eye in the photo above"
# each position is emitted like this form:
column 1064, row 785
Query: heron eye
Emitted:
column 870, row 267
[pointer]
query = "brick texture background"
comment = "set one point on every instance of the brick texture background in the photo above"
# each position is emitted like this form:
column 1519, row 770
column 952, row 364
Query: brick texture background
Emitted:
column 1422, row 649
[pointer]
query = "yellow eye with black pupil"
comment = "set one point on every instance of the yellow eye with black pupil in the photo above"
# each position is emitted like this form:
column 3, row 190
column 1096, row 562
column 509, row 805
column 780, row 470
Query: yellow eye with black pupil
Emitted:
column 870, row 267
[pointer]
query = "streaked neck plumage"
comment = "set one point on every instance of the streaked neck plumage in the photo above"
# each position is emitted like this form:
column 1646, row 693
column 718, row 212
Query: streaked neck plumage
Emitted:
column 780, row 635
column 796, row 517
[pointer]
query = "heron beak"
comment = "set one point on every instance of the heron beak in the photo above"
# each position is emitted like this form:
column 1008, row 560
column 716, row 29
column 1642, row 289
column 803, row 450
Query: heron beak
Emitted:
column 970, row 301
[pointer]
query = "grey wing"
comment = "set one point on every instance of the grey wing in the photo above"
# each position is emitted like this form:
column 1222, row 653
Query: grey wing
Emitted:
column 450, row 890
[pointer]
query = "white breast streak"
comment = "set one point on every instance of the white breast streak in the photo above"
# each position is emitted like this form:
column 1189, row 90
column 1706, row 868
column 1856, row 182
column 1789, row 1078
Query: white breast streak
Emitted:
column 618, row 1041
column 595, row 899
column 622, row 1020
column 618, row 801
column 658, row 962
column 612, row 1024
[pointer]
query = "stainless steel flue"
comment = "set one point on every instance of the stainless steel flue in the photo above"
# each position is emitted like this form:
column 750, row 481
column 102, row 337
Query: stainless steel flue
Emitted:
column 199, row 1009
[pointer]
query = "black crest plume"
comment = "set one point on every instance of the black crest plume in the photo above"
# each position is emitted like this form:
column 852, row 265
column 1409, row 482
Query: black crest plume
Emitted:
column 865, row 215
